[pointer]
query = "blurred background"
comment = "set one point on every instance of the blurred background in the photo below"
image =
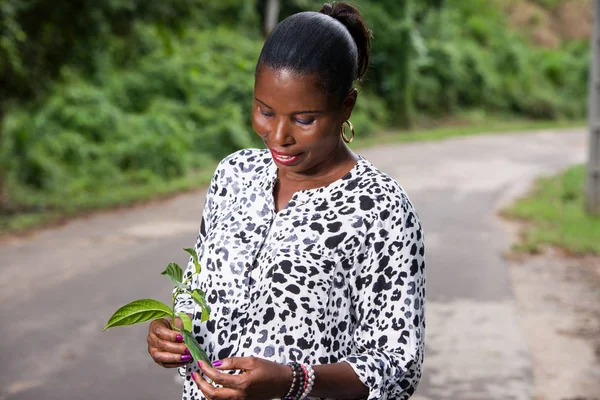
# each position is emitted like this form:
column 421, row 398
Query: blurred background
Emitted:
column 112, row 104
column 139, row 96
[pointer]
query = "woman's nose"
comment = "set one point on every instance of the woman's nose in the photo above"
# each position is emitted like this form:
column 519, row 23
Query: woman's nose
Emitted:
column 281, row 133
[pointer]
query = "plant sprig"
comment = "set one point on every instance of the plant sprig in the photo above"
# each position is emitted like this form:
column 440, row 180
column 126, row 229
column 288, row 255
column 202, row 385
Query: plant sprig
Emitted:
column 144, row 310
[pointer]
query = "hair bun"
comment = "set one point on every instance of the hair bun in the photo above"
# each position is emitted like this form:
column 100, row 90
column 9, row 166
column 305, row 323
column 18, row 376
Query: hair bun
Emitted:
column 327, row 9
column 354, row 22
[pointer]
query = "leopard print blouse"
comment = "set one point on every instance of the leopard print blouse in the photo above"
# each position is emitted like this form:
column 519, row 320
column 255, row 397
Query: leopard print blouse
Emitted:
column 338, row 275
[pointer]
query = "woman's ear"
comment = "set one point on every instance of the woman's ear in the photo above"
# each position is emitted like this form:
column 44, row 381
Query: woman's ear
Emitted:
column 349, row 103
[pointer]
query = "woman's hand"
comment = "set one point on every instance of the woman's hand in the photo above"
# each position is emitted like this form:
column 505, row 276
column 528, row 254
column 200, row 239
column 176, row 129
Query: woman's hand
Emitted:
column 165, row 345
column 260, row 379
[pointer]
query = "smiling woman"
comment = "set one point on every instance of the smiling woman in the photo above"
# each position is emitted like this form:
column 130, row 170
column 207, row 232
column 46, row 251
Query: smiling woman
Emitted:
column 313, row 259
column 301, row 126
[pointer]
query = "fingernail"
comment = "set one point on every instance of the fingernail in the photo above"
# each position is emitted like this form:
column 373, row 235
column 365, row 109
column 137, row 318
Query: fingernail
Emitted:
column 199, row 365
column 179, row 338
column 217, row 363
column 186, row 358
column 193, row 375
column 187, row 351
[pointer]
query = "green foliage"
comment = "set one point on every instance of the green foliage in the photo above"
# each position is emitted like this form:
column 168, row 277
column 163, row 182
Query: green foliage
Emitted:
column 393, row 55
column 148, row 309
column 194, row 255
column 471, row 59
column 38, row 37
column 141, row 95
column 173, row 111
column 139, row 311
column 440, row 57
column 370, row 113
column 196, row 351
column 186, row 321
column 174, row 273
column 555, row 212
column 160, row 119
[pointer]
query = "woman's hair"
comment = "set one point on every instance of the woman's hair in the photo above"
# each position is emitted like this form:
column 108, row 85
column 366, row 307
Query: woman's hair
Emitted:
column 333, row 44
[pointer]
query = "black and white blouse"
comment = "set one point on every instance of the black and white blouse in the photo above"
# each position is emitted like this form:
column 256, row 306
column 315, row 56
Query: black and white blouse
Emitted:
column 338, row 275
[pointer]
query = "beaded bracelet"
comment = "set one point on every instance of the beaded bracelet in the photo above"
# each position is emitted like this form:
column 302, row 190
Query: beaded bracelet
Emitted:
column 289, row 393
column 300, row 384
column 305, row 372
column 297, row 376
column 310, row 382
column 304, row 375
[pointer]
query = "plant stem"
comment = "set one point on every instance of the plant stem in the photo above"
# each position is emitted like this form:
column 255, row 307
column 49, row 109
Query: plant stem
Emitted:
column 175, row 294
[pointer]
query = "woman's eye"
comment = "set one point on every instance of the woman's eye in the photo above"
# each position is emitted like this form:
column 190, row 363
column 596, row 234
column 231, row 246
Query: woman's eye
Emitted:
column 265, row 113
column 305, row 121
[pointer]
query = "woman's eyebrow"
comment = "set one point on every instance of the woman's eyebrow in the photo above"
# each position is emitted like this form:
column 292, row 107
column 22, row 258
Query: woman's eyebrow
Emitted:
column 293, row 112
column 263, row 103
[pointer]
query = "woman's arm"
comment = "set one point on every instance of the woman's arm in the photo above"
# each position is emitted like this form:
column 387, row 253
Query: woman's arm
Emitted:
column 262, row 380
column 338, row 381
column 388, row 298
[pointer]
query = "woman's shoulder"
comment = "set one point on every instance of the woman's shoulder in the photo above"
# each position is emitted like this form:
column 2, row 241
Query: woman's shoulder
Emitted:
column 377, row 186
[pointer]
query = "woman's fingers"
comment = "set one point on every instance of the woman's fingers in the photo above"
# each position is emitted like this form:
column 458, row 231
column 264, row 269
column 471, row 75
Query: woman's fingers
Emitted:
column 166, row 346
column 211, row 392
column 170, row 360
column 162, row 336
column 238, row 363
column 220, row 378
column 208, row 390
column 162, row 329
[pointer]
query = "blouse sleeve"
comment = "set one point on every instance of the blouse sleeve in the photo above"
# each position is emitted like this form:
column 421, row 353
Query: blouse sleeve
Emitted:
column 388, row 302
column 184, row 302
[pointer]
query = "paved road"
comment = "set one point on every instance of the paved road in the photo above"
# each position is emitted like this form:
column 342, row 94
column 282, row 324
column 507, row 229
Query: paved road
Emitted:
column 58, row 287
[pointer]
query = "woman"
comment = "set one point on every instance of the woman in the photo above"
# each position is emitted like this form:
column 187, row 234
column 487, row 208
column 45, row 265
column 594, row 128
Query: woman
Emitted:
column 312, row 258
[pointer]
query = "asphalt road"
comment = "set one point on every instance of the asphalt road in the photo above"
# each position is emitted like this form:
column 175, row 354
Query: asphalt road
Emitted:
column 59, row 286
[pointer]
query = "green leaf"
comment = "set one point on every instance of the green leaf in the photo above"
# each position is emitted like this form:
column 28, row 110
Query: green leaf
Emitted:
column 175, row 274
column 194, row 255
column 139, row 311
column 195, row 350
column 205, row 315
column 200, row 299
column 186, row 320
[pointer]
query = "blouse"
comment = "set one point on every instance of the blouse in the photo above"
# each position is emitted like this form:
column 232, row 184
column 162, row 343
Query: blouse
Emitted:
column 338, row 275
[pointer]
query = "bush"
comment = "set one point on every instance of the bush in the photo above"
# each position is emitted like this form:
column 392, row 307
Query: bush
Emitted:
column 176, row 110
column 160, row 119
column 149, row 100
column 472, row 59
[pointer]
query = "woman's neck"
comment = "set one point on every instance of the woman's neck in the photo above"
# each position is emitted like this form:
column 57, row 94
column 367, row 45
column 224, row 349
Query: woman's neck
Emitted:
column 323, row 174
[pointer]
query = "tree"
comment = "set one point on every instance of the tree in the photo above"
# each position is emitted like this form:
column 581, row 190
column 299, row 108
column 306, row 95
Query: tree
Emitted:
column 391, row 73
column 271, row 15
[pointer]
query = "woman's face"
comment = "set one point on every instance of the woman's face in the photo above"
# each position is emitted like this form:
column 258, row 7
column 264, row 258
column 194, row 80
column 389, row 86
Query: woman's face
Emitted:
column 299, row 124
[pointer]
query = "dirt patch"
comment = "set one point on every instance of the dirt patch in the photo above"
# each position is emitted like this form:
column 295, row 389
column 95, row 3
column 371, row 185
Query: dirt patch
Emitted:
column 536, row 22
column 574, row 19
column 570, row 20
column 559, row 309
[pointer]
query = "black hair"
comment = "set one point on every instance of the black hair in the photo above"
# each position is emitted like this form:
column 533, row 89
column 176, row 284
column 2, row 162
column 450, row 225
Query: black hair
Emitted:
column 333, row 44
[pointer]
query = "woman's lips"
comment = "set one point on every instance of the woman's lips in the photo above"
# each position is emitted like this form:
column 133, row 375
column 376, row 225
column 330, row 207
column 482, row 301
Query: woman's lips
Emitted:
column 284, row 159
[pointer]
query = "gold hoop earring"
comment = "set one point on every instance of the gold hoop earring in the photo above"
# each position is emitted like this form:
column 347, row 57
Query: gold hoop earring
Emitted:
column 351, row 138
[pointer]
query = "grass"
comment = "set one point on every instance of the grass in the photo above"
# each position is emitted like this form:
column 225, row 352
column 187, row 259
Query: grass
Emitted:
column 554, row 215
column 119, row 197
column 127, row 195
column 457, row 129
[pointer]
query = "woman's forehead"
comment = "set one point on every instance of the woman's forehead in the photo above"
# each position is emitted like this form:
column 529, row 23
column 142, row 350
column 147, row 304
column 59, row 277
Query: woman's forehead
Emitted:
column 289, row 90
